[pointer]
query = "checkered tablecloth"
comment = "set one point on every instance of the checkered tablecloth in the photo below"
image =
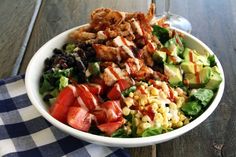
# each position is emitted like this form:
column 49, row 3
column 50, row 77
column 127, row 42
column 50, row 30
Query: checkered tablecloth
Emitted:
column 25, row 133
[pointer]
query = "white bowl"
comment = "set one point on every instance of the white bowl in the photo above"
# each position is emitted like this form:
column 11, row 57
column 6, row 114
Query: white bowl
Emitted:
column 34, row 71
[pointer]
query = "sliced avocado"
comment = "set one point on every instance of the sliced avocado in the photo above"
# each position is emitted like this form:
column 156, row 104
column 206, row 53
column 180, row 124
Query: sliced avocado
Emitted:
column 174, row 60
column 175, row 46
column 193, row 56
column 205, row 74
column 159, row 56
column 216, row 69
column 198, row 79
column 203, row 60
column 190, row 55
column 173, row 73
column 215, row 79
column 189, row 67
column 190, row 80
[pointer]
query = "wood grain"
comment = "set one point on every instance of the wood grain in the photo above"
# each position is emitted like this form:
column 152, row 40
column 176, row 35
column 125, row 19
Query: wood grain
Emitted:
column 57, row 16
column 213, row 22
column 14, row 20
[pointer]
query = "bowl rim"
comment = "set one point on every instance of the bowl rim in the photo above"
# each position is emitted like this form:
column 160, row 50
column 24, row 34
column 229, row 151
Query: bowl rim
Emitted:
column 121, row 142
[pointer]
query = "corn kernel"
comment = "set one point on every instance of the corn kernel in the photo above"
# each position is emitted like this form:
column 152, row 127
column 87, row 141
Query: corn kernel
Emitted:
column 165, row 87
column 180, row 101
column 126, row 111
column 154, row 91
column 136, row 97
column 137, row 121
column 179, row 91
column 163, row 95
column 131, row 94
column 154, row 106
column 173, row 105
column 138, row 115
column 145, row 125
column 158, row 118
column 179, row 124
column 161, row 110
column 132, row 111
column 139, row 131
column 182, row 117
column 165, row 125
column 157, row 124
column 143, row 101
column 186, row 121
column 146, row 118
column 174, row 120
column 129, row 101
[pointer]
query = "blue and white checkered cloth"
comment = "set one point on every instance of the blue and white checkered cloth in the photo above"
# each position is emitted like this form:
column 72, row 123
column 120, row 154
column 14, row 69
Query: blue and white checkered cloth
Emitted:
column 25, row 133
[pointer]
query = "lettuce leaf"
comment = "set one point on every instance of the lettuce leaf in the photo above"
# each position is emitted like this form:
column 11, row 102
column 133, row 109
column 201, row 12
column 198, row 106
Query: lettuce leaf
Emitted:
column 203, row 95
column 54, row 79
column 191, row 108
column 152, row 131
column 161, row 33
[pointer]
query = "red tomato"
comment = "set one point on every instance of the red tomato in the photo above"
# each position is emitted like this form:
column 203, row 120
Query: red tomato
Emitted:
column 124, row 84
column 63, row 101
column 94, row 88
column 79, row 118
column 99, row 81
column 100, row 116
column 113, row 110
column 110, row 127
column 115, row 92
column 87, row 99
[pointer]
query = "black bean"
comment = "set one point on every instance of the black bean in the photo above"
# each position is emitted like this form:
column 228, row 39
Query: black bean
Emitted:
column 81, row 77
column 80, row 65
column 64, row 46
column 57, row 51
column 70, row 61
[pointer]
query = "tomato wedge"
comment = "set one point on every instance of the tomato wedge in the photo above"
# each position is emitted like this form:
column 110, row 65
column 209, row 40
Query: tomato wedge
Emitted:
column 115, row 92
column 101, row 82
column 100, row 116
column 87, row 99
column 94, row 88
column 79, row 118
column 63, row 101
column 110, row 127
column 113, row 110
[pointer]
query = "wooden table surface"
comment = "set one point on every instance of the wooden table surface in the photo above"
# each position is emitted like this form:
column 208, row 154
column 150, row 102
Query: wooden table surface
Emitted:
column 213, row 22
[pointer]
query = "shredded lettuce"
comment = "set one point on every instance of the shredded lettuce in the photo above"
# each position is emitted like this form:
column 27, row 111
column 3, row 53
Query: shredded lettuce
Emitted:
column 64, row 81
column 120, row 133
column 161, row 33
column 70, row 48
column 54, row 79
column 152, row 131
column 203, row 95
column 191, row 108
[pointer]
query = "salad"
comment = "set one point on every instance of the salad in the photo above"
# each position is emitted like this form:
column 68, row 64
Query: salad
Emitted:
column 123, row 75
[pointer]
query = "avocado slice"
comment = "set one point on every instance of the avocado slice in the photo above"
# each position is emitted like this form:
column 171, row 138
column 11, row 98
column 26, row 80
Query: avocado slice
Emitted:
column 173, row 73
column 159, row 56
column 215, row 79
column 174, row 60
column 198, row 79
column 193, row 56
column 190, row 67
column 175, row 46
